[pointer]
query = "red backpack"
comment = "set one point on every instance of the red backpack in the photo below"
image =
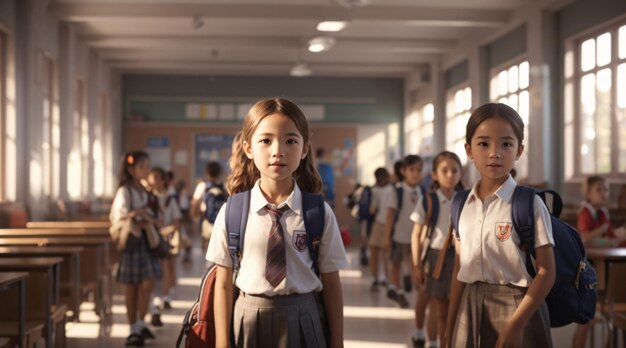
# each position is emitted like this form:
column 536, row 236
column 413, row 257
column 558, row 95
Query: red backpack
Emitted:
column 199, row 323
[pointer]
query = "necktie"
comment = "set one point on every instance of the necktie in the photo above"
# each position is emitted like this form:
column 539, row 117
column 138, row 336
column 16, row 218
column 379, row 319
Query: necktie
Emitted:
column 275, row 263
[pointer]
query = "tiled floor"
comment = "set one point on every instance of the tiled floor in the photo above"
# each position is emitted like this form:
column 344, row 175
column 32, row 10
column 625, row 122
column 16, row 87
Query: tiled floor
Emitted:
column 371, row 320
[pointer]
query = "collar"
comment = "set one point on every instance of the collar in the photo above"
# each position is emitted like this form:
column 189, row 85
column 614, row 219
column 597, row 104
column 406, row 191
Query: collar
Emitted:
column 442, row 197
column 504, row 192
column 594, row 212
column 258, row 200
column 409, row 188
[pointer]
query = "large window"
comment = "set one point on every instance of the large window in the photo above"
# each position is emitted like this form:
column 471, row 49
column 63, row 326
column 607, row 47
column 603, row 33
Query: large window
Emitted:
column 78, row 164
column 50, row 131
column 3, row 80
column 419, row 131
column 458, row 110
column 509, row 85
column 595, row 103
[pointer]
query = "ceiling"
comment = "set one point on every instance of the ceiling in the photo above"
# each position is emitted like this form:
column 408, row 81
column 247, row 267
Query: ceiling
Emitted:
column 268, row 37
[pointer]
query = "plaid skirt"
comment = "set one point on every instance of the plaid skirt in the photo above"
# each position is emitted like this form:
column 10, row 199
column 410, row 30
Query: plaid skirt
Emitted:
column 484, row 312
column 137, row 265
column 438, row 288
column 291, row 321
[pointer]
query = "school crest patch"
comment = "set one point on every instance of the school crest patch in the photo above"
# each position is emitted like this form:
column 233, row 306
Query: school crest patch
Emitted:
column 503, row 230
column 299, row 240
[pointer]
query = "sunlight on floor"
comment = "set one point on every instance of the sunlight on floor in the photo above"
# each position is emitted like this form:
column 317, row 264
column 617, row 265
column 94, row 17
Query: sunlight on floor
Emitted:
column 364, row 344
column 378, row 313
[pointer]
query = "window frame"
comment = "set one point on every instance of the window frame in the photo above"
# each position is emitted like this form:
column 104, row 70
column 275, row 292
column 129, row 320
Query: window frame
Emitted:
column 4, row 40
column 450, row 116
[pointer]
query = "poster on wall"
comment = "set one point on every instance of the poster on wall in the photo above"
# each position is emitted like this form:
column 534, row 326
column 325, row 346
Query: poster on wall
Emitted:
column 212, row 147
column 160, row 152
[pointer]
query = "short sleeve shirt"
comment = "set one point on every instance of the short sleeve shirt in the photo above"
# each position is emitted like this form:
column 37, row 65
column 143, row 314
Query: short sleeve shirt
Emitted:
column 403, row 227
column 379, row 198
column 300, row 276
column 127, row 198
column 439, row 233
column 169, row 210
column 489, row 244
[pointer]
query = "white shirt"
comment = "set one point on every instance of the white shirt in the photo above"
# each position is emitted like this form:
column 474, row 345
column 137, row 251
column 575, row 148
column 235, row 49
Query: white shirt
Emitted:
column 439, row 233
column 300, row 277
column 170, row 212
column 379, row 197
column 404, row 226
column 198, row 193
column 127, row 198
column 489, row 244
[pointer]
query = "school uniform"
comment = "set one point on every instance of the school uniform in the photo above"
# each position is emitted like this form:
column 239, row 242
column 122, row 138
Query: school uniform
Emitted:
column 437, row 288
column 198, row 195
column 169, row 213
column 492, row 265
column 590, row 218
column 403, row 226
column 287, row 315
column 379, row 199
column 136, row 265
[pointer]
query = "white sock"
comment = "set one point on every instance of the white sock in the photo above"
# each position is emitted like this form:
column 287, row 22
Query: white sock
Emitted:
column 135, row 328
column 167, row 298
column 419, row 333
column 432, row 344
column 141, row 324
column 391, row 287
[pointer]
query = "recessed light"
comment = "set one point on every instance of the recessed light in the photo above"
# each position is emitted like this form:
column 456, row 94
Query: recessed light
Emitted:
column 321, row 44
column 331, row 26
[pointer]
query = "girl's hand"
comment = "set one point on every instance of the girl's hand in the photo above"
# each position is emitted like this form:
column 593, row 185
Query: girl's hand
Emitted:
column 418, row 275
column 386, row 245
column 511, row 336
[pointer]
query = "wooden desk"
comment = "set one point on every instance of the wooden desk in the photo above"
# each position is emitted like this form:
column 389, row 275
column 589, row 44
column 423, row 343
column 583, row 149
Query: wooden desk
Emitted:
column 69, row 224
column 48, row 267
column 601, row 257
column 70, row 268
column 8, row 281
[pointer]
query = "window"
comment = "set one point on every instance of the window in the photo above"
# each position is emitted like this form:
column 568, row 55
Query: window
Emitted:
column 595, row 103
column 419, row 131
column 50, row 131
column 458, row 111
column 3, row 80
column 509, row 85
column 78, row 164
column 102, row 131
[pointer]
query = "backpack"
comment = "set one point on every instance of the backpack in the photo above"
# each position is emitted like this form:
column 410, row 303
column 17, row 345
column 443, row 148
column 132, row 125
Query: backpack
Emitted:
column 365, row 201
column 573, row 295
column 199, row 323
column 214, row 197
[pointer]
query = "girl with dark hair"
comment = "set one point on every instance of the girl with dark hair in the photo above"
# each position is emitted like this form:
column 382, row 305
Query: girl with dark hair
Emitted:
column 277, row 304
column 138, row 267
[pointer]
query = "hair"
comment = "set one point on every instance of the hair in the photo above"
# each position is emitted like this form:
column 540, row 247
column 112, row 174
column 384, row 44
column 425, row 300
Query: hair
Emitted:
column 162, row 174
column 237, row 156
column 397, row 170
column 319, row 153
column 170, row 176
column 493, row 110
column 180, row 185
column 411, row 159
column 128, row 161
column 591, row 181
column 213, row 169
column 245, row 174
column 382, row 176
column 437, row 161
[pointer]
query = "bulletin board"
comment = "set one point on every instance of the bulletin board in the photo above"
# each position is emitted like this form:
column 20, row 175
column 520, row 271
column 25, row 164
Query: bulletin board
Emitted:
column 212, row 147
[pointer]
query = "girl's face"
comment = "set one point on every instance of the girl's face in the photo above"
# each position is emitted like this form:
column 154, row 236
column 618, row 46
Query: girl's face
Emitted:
column 156, row 182
column 276, row 147
column 598, row 194
column 447, row 173
column 141, row 170
column 494, row 149
column 412, row 173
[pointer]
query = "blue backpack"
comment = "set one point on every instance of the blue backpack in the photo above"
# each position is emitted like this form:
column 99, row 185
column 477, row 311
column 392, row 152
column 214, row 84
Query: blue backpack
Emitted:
column 573, row 295
column 365, row 201
column 199, row 324
column 213, row 198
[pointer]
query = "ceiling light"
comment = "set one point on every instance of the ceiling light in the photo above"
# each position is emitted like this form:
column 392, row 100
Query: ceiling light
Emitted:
column 331, row 25
column 321, row 44
column 300, row 70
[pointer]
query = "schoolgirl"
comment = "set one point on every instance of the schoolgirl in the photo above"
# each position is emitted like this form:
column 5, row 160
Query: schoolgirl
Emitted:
column 137, row 267
column 277, row 304
column 378, row 255
column 427, row 245
column 494, row 302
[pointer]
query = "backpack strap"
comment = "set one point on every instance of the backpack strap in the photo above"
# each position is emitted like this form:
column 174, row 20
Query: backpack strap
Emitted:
column 556, row 206
column 458, row 201
column 314, row 211
column 237, row 207
column 434, row 210
column 523, row 214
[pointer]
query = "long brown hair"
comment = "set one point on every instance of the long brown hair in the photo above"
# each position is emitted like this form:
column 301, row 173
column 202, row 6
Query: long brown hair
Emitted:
column 244, row 173
column 437, row 161
column 128, row 161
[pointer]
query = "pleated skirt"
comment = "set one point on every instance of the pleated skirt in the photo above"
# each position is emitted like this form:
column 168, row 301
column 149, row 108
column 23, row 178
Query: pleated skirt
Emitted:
column 279, row 321
column 484, row 312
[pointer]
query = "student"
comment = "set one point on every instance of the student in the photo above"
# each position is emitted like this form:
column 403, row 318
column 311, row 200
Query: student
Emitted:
column 397, row 176
column 186, row 229
column 282, row 311
column 327, row 174
column 446, row 176
column 137, row 267
column 594, row 226
column 211, row 185
column 169, row 226
column 378, row 256
column 494, row 302
column 398, row 226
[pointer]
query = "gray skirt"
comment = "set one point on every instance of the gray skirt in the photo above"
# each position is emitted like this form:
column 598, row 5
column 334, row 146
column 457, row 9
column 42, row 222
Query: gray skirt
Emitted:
column 484, row 312
column 438, row 288
column 279, row 321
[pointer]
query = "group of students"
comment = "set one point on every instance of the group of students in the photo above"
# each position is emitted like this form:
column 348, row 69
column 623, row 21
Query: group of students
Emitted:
column 483, row 295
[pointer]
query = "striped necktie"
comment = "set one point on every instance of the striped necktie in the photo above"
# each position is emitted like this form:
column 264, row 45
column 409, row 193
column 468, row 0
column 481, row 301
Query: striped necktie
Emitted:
column 275, row 262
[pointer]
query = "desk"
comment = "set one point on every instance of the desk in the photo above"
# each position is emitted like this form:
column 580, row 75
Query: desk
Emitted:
column 601, row 257
column 71, row 266
column 9, row 280
column 69, row 224
column 49, row 268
